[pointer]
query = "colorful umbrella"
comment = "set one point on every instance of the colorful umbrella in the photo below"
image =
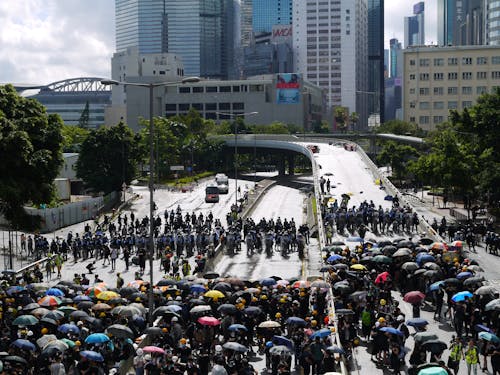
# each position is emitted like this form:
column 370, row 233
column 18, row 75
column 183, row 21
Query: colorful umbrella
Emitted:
column 94, row 291
column 107, row 295
column 457, row 244
column 302, row 284
column 334, row 258
column 392, row 331
column 489, row 337
column 81, row 298
column 462, row 296
column 358, row 267
column 137, row 283
column 208, row 321
column 414, row 297
column 54, row 292
column 436, row 286
column 214, row 294
column 153, row 349
column 382, row 278
column 49, row 301
column 25, row 320
column 97, row 338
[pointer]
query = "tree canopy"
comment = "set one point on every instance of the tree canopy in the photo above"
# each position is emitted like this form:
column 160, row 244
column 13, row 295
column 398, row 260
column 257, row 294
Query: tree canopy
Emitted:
column 30, row 150
column 400, row 127
column 73, row 137
column 397, row 156
column 109, row 157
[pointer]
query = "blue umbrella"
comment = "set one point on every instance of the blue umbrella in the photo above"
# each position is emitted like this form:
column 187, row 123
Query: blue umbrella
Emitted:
column 489, row 337
column 54, row 292
column 435, row 286
column 462, row 296
column 354, row 239
column 237, row 327
column 323, row 332
column 294, row 320
column 424, row 258
column 392, row 330
column 282, row 340
column 268, row 282
column 174, row 308
column 71, row 328
column 417, row 322
column 81, row 298
column 464, row 275
column 96, row 338
column 15, row 289
column 92, row 356
column 482, row 328
column 197, row 288
column 334, row 258
column 335, row 349
column 24, row 344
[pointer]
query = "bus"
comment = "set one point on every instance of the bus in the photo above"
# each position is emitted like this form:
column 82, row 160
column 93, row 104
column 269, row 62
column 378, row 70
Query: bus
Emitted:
column 212, row 194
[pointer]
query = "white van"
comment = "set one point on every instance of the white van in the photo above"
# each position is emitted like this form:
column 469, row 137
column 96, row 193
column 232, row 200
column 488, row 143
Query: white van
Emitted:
column 222, row 183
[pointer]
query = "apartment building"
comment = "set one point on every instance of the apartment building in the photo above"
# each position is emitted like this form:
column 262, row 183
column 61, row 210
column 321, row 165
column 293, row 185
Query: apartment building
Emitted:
column 440, row 79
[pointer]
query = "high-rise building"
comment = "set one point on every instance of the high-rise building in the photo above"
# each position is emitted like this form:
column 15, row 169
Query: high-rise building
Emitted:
column 396, row 65
column 414, row 27
column 386, row 63
column 376, row 57
column 493, row 23
column 204, row 33
column 331, row 50
column 246, row 18
column 267, row 13
column 464, row 22
column 139, row 23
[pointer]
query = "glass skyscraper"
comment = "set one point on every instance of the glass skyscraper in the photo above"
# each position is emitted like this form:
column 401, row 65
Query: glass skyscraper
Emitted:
column 267, row 13
column 414, row 27
column 140, row 23
column 376, row 58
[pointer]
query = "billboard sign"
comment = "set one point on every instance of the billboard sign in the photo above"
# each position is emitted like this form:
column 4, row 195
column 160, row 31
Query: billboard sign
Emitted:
column 288, row 88
column 282, row 34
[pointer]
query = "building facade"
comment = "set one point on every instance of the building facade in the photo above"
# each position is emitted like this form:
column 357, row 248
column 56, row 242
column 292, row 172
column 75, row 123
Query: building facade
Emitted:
column 286, row 98
column 267, row 58
column 396, row 58
column 267, row 13
column 331, row 50
column 376, row 57
column 493, row 23
column 440, row 79
column 415, row 27
column 462, row 23
column 140, row 23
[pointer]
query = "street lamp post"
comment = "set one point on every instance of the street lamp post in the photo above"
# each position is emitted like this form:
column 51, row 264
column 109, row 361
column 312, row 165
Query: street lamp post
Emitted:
column 151, row 87
column 232, row 115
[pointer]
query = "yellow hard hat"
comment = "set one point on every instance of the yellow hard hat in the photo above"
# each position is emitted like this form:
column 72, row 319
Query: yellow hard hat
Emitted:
column 78, row 343
column 381, row 320
column 263, row 297
column 314, row 323
column 278, row 315
column 383, row 302
column 44, row 331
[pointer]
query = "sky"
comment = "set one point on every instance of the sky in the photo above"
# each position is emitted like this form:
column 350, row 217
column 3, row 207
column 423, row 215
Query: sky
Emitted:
column 44, row 41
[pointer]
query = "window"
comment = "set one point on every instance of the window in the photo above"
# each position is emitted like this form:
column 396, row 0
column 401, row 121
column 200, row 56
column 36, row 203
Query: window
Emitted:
column 438, row 62
column 438, row 76
column 452, row 105
column 225, row 89
column 466, row 104
column 438, row 90
column 183, row 107
column 437, row 119
column 184, row 90
column 467, row 75
column 412, row 91
column 438, row 105
column 256, row 88
column 211, row 116
column 481, row 90
column 412, row 62
column 412, row 77
column 239, row 106
column 466, row 60
column 495, row 75
column 211, row 89
column 482, row 61
column 211, row 107
column 225, row 106
column 412, row 119
column 197, row 106
column 452, row 76
column 198, row 89
column 412, row 104
column 452, row 61
column 452, row 90
column 423, row 62
column 424, row 76
column 424, row 105
column 481, row 75
column 495, row 60
column 424, row 91
column 236, row 88
column 423, row 119
column 467, row 90
column 171, row 107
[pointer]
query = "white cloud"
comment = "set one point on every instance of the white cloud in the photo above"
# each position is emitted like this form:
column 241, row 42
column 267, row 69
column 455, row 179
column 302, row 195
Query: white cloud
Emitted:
column 42, row 41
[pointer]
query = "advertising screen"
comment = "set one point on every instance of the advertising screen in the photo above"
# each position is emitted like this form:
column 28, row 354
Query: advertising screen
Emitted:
column 288, row 88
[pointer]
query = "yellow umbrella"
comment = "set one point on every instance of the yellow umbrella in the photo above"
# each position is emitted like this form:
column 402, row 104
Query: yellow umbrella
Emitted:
column 214, row 294
column 107, row 295
column 358, row 267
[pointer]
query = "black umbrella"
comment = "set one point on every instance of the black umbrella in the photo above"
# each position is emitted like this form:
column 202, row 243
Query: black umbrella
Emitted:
column 156, row 331
column 77, row 315
column 344, row 312
column 435, row 346
column 222, row 287
column 406, row 243
column 389, row 249
column 227, row 308
column 452, row 282
column 426, row 241
column 477, row 280
column 15, row 359
column 211, row 275
column 165, row 282
column 231, row 345
column 252, row 311
column 127, row 291
column 327, row 268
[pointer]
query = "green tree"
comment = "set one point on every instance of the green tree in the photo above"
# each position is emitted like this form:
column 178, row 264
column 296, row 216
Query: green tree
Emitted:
column 83, row 122
column 341, row 115
column 109, row 157
column 397, row 156
column 30, row 149
column 400, row 127
column 73, row 137
column 353, row 119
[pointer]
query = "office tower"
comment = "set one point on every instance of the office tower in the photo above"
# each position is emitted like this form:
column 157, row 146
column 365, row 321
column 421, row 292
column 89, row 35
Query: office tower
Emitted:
column 493, row 23
column 376, row 57
column 386, row 63
column 396, row 67
column 331, row 50
column 414, row 27
column 139, row 23
column 246, row 18
column 267, row 13
column 465, row 22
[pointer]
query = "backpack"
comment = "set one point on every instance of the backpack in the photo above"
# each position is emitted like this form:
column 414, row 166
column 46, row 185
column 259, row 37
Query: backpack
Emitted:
column 366, row 318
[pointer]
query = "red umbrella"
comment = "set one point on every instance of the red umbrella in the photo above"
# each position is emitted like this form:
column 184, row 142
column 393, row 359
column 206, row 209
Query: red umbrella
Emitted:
column 48, row 301
column 208, row 321
column 382, row 278
column 301, row 284
column 153, row 349
column 414, row 297
column 457, row 244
